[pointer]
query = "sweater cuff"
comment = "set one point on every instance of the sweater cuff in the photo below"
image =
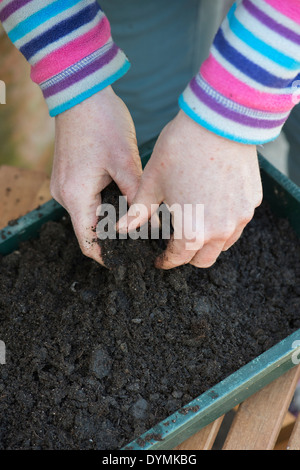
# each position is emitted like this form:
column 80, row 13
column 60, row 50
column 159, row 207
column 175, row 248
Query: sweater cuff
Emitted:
column 247, row 86
column 84, row 78
column 227, row 118
column 68, row 45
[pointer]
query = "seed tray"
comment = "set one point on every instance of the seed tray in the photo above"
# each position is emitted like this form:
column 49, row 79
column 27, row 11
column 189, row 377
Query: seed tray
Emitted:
column 284, row 198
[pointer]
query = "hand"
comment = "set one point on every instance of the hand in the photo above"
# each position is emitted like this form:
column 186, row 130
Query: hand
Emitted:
column 191, row 165
column 95, row 143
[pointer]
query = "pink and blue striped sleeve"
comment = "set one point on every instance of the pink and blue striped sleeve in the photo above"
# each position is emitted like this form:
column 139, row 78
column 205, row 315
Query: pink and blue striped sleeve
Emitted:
column 69, row 46
column 248, row 85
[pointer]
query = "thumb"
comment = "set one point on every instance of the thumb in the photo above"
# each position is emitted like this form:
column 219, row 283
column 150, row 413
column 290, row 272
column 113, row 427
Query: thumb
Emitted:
column 128, row 176
column 145, row 203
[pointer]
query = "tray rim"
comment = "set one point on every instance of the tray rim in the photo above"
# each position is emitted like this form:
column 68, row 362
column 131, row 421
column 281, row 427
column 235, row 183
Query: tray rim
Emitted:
column 221, row 398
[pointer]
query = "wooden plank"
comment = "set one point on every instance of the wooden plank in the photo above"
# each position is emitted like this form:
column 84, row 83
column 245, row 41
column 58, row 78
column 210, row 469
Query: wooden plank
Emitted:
column 285, row 432
column 258, row 421
column 43, row 194
column 20, row 190
column 203, row 439
column 294, row 442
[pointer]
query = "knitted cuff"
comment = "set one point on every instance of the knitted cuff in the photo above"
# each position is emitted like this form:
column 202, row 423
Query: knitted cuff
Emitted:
column 247, row 87
column 69, row 46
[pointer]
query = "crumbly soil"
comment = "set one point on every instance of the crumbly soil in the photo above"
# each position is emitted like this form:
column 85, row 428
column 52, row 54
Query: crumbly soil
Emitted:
column 96, row 356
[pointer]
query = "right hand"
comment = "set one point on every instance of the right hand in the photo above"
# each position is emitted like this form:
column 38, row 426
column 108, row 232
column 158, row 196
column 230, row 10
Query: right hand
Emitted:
column 95, row 143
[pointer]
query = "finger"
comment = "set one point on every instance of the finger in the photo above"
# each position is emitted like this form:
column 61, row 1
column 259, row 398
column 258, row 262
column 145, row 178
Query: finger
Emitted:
column 84, row 225
column 232, row 240
column 128, row 179
column 83, row 213
column 144, row 205
column 176, row 254
column 207, row 255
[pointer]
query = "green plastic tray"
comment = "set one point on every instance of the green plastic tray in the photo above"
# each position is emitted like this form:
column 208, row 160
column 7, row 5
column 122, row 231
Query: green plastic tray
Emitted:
column 284, row 198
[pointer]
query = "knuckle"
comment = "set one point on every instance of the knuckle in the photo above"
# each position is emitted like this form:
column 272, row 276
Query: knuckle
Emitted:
column 259, row 199
column 226, row 230
column 194, row 237
column 247, row 216
column 227, row 233
column 221, row 231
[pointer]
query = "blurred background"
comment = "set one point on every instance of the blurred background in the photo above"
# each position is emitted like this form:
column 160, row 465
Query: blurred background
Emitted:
column 26, row 129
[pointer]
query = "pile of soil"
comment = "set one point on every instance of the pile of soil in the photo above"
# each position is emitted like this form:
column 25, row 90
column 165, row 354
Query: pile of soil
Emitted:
column 96, row 356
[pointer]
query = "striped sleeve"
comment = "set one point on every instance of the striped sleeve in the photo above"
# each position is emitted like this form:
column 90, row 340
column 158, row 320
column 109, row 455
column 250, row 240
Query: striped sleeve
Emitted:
column 69, row 46
column 247, row 86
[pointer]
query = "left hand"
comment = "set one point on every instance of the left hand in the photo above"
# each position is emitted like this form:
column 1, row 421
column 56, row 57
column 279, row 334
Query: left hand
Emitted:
column 191, row 165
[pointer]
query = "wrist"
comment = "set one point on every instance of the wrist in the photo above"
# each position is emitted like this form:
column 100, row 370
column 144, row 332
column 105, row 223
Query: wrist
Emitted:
column 94, row 107
column 191, row 128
